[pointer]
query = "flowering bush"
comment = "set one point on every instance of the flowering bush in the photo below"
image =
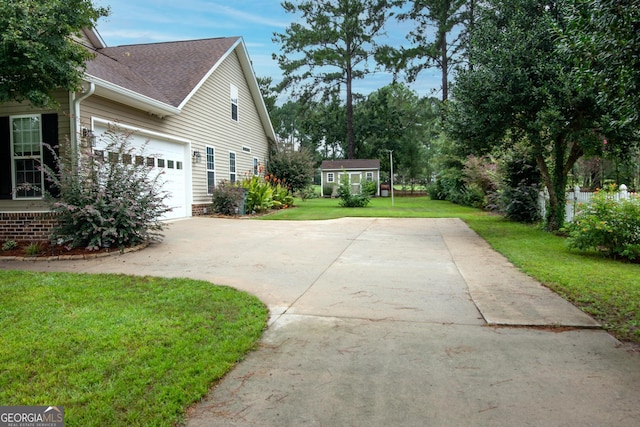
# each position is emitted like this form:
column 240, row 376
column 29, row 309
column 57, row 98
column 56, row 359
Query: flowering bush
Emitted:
column 106, row 202
column 609, row 226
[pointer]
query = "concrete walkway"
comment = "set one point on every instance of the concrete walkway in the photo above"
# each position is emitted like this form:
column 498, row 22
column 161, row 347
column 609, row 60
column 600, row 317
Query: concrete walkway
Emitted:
column 380, row 322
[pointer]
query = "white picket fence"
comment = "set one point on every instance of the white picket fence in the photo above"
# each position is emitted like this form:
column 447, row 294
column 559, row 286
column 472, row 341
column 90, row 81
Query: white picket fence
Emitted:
column 576, row 197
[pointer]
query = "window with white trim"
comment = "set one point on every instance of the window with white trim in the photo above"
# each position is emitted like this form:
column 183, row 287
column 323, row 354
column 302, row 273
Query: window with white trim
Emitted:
column 232, row 166
column 211, row 169
column 234, row 103
column 330, row 177
column 369, row 176
column 256, row 166
column 26, row 153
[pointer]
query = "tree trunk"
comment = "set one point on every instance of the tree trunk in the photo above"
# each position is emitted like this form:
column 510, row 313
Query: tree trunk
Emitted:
column 556, row 180
column 445, row 67
column 350, row 133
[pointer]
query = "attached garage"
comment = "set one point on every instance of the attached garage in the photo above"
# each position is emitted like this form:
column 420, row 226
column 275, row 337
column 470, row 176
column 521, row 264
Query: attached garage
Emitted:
column 167, row 155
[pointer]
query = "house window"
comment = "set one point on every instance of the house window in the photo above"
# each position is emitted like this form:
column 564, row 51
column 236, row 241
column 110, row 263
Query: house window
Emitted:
column 330, row 177
column 256, row 166
column 234, row 103
column 246, row 149
column 369, row 176
column 211, row 169
column 232, row 166
column 26, row 149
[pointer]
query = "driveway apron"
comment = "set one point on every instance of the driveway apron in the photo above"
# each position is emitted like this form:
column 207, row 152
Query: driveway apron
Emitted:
column 378, row 322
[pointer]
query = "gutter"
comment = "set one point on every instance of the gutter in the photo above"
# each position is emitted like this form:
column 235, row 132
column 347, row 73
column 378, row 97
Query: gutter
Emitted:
column 134, row 99
column 75, row 118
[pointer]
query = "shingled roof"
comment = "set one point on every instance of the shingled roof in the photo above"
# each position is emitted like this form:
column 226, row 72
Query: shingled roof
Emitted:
column 165, row 72
column 357, row 164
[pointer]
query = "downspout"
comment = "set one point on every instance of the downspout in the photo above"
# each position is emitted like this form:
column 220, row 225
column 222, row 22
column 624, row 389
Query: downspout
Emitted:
column 75, row 117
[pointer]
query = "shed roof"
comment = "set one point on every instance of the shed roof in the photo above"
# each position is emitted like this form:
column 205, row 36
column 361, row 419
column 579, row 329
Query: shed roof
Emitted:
column 350, row 164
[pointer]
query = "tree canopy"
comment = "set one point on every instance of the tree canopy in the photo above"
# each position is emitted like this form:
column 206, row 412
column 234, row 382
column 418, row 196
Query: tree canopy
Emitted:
column 438, row 30
column 521, row 89
column 38, row 53
column 602, row 37
column 330, row 49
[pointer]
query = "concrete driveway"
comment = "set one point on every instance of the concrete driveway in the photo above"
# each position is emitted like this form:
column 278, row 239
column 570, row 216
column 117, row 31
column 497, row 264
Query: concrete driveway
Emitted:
column 379, row 322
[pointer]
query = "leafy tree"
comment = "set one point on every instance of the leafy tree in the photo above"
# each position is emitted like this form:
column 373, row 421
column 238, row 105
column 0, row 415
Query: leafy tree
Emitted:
column 294, row 168
column 269, row 94
column 395, row 118
column 520, row 89
column 441, row 49
column 603, row 38
column 38, row 51
column 330, row 49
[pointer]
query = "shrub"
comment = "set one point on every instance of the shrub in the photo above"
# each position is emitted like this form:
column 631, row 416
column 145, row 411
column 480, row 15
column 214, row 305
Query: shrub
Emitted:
column 370, row 188
column 349, row 200
column 520, row 186
column 522, row 203
column 282, row 197
column 308, row 193
column 9, row 245
column 608, row 226
column 227, row 198
column 436, row 190
column 259, row 194
column 34, row 249
column 294, row 169
column 106, row 202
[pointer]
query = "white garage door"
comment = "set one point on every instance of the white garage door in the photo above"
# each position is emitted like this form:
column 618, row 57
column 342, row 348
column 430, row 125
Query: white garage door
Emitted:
column 167, row 156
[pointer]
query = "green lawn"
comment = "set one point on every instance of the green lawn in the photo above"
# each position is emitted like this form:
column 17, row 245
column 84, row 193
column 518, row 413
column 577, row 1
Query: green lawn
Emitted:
column 119, row 350
column 607, row 289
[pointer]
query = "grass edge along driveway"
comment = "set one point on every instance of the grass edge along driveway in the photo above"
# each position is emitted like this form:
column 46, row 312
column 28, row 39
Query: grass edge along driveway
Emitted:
column 119, row 350
column 608, row 290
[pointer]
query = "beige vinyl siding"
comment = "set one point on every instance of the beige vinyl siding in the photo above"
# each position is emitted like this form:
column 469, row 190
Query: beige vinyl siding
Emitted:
column 205, row 120
column 208, row 115
column 97, row 107
column 64, row 126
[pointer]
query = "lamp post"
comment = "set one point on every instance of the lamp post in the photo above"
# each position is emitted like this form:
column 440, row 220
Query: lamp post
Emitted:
column 391, row 162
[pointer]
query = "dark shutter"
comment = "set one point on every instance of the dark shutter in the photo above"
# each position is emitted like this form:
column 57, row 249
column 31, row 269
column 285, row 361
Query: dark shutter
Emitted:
column 5, row 159
column 50, row 138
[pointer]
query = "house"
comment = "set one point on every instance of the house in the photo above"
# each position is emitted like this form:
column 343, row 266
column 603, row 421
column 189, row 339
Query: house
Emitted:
column 196, row 104
column 358, row 170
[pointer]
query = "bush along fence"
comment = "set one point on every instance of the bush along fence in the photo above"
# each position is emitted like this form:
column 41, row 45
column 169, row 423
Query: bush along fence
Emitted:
column 577, row 197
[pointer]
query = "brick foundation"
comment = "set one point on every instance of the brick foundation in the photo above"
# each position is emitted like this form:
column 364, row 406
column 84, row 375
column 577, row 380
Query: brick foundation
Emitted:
column 26, row 226
column 203, row 209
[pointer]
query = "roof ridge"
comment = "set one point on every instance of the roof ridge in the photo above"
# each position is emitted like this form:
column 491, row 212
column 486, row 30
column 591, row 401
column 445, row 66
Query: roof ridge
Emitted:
column 172, row 42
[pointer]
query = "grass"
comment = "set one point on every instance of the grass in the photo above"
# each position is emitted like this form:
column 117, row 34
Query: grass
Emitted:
column 404, row 207
column 609, row 290
column 119, row 350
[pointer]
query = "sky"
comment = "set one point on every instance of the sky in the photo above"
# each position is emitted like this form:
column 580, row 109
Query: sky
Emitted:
column 152, row 21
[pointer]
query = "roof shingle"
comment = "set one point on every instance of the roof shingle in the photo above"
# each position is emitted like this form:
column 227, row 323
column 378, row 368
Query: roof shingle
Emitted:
column 350, row 164
column 167, row 72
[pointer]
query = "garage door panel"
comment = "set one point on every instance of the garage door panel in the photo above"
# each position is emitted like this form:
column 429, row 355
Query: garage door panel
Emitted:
column 168, row 159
